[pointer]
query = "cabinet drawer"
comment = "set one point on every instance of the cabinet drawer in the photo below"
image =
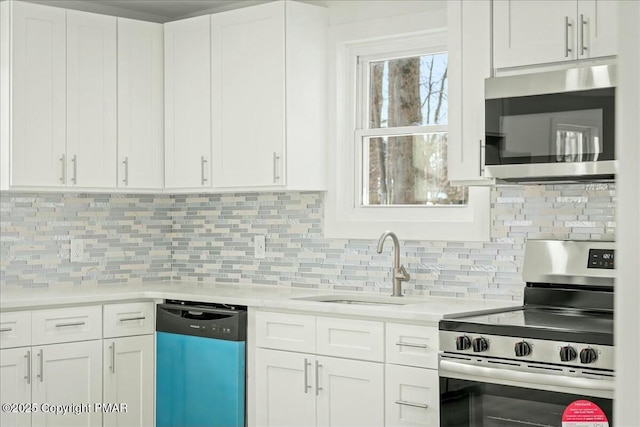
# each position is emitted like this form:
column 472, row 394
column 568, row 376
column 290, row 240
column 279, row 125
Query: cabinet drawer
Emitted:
column 123, row 320
column 412, row 345
column 293, row 332
column 15, row 329
column 355, row 339
column 66, row 324
column 412, row 396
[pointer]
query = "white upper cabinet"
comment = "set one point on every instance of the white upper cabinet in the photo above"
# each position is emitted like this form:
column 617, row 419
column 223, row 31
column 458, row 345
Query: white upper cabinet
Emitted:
column 268, row 96
column 33, row 79
column 599, row 28
column 469, row 35
column 91, row 100
column 531, row 32
column 140, row 104
column 187, row 103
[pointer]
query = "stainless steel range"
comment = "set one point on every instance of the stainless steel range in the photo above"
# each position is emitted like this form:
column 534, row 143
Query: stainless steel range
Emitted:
column 547, row 363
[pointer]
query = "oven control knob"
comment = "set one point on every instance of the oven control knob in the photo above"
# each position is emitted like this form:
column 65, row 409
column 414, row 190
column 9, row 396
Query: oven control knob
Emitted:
column 463, row 343
column 522, row 349
column 480, row 344
column 567, row 353
column 588, row 355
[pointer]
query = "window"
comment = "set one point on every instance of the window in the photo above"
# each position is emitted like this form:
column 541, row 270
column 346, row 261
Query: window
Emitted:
column 388, row 154
column 402, row 105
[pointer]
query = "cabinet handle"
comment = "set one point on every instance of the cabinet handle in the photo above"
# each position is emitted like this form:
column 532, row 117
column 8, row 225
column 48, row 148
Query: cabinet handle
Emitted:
column 74, row 160
column 276, row 177
column 113, row 357
column 408, row 344
column 203, row 161
column 482, row 147
column 41, row 374
column 583, row 46
column 125, row 162
column 65, row 325
column 131, row 319
column 318, row 388
column 63, row 171
column 6, row 329
column 567, row 25
column 28, row 376
column 306, row 375
column 412, row 404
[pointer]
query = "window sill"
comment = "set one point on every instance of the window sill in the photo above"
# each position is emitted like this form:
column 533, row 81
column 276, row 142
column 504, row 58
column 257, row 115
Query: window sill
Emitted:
column 471, row 223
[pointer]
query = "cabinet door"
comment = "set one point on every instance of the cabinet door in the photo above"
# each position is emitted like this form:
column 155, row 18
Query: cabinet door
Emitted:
column 412, row 345
column 187, row 103
column 284, row 331
column 15, row 387
column 91, row 100
column 598, row 34
column 350, row 392
column 38, row 95
column 284, row 389
column 248, row 72
column 412, row 397
column 15, row 329
column 356, row 339
column 140, row 104
column 128, row 319
column 68, row 374
column 527, row 32
column 469, row 65
column 128, row 378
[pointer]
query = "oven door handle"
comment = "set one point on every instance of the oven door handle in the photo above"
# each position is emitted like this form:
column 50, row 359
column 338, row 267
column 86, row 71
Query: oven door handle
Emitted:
column 525, row 377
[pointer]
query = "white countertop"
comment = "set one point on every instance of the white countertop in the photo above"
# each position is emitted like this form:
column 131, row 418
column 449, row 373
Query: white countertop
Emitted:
column 420, row 308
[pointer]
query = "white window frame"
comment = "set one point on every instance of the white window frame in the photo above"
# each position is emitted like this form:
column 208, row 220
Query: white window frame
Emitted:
column 344, row 215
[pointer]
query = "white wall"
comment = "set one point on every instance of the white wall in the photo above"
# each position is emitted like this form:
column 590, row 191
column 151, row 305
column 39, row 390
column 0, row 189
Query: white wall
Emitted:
column 349, row 11
column 627, row 317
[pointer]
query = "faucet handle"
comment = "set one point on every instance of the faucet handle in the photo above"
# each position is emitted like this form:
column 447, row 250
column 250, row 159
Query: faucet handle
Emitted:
column 401, row 274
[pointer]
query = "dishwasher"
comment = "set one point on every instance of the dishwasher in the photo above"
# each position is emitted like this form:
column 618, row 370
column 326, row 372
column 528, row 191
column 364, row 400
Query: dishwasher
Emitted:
column 200, row 364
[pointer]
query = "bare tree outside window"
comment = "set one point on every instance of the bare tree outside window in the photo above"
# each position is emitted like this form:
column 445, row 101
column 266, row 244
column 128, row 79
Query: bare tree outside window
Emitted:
column 408, row 169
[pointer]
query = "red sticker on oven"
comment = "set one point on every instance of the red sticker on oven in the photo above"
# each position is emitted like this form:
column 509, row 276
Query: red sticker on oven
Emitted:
column 583, row 413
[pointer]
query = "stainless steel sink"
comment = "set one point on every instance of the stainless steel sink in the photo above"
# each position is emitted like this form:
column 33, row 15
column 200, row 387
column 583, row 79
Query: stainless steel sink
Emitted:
column 360, row 300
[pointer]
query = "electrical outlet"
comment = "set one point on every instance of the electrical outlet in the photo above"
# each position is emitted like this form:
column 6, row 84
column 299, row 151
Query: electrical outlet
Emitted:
column 259, row 243
column 77, row 250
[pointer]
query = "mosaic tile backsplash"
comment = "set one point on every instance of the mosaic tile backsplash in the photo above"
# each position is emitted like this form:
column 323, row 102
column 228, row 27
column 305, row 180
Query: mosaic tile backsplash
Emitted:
column 210, row 237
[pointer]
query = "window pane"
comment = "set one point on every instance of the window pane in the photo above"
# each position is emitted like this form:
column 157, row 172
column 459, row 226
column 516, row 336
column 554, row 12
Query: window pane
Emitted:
column 408, row 170
column 408, row 91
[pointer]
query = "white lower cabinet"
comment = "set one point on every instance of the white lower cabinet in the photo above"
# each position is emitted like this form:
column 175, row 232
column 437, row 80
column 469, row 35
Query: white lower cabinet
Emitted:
column 298, row 389
column 129, row 361
column 411, row 396
column 67, row 375
column 128, row 380
column 52, row 385
column 54, row 364
column 284, row 394
column 15, row 385
column 349, row 392
column 335, row 371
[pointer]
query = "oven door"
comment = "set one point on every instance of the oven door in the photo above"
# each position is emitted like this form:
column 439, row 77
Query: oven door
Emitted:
column 498, row 393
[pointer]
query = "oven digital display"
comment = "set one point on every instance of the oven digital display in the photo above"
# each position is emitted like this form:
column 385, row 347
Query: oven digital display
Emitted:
column 601, row 258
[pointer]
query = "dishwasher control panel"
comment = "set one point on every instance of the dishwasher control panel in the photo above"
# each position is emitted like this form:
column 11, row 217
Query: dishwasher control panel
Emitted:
column 217, row 321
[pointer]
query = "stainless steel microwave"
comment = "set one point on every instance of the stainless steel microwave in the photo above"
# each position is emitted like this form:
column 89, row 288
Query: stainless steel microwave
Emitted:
column 551, row 126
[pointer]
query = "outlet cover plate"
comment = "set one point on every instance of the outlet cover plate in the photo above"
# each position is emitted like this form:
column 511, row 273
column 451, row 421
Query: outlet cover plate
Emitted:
column 77, row 250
